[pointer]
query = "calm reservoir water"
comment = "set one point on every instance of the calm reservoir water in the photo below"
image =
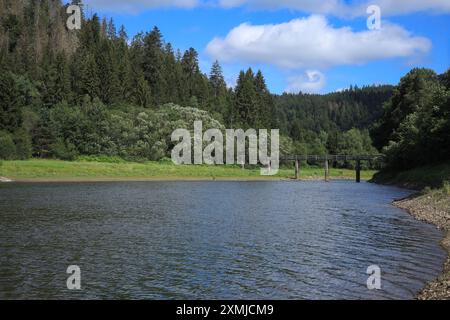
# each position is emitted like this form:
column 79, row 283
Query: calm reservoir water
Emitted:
column 212, row 240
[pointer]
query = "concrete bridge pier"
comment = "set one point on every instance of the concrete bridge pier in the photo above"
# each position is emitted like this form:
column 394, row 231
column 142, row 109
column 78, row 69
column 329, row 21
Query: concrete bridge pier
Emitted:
column 327, row 158
column 358, row 171
column 297, row 169
column 327, row 171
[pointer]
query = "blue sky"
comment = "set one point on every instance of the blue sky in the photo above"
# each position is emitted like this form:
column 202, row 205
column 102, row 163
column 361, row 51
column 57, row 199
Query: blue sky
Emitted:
column 312, row 46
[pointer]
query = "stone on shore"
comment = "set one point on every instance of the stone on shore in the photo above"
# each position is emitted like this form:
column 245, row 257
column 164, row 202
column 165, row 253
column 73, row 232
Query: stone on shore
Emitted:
column 433, row 208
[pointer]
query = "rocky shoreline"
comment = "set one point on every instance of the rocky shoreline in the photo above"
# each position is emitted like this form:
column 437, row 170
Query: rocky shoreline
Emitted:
column 433, row 207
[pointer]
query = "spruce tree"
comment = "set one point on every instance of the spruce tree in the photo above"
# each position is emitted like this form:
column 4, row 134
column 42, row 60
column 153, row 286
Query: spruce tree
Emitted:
column 172, row 76
column 265, row 105
column 217, row 81
column 142, row 92
column 109, row 88
column 9, row 99
column 245, row 100
column 152, row 63
column 86, row 79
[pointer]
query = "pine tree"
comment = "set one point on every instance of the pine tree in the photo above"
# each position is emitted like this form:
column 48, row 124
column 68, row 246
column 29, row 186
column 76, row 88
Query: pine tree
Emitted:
column 104, row 29
column 195, row 83
column 265, row 104
column 123, row 60
column 172, row 76
column 90, row 34
column 123, row 34
column 142, row 92
column 9, row 99
column 152, row 64
column 56, row 81
column 245, row 100
column 220, row 104
column 109, row 89
column 217, row 81
column 111, row 30
column 86, row 79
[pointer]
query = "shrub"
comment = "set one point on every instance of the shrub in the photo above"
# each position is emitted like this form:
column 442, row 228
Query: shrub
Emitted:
column 7, row 146
column 23, row 144
column 64, row 151
column 446, row 187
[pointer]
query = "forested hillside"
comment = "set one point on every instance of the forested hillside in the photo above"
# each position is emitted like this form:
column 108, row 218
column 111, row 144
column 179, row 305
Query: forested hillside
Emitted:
column 336, row 123
column 95, row 91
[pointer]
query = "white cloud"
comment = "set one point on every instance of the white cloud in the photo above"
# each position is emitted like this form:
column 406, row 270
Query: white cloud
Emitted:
column 135, row 6
column 343, row 8
column 399, row 7
column 312, row 81
column 327, row 7
column 314, row 6
column 313, row 43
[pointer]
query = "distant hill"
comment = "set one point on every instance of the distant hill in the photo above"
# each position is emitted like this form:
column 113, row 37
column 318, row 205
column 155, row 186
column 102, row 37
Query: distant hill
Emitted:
column 353, row 108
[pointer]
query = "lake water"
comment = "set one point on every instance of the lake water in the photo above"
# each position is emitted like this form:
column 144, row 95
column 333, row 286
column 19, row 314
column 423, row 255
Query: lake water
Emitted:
column 212, row 240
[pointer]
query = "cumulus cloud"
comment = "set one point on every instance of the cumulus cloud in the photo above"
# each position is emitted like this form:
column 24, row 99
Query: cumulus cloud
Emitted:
column 312, row 81
column 135, row 6
column 345, row 8
column 313, row 43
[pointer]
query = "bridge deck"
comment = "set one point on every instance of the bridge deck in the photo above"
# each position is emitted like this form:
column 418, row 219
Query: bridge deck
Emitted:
column 333, row 157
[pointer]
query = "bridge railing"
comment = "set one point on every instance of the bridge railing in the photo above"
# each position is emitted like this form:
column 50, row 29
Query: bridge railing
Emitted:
column 327, row 158
column 333, row 157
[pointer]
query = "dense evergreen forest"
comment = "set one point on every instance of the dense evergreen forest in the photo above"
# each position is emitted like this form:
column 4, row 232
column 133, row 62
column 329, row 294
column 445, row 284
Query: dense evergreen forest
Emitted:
column 94, row 91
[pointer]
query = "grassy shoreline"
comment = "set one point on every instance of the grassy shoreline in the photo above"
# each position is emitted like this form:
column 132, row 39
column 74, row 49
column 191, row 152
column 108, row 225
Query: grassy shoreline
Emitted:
column 37, row 170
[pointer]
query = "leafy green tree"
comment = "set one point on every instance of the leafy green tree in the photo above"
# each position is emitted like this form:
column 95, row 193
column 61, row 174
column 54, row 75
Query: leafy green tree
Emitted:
column 418, row 114
column 22, row 142
column 7, row 146
column 408, row 97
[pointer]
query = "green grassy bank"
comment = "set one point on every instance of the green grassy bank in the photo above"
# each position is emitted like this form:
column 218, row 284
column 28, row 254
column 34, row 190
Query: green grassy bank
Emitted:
column 433, row 176
column 54, row 170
